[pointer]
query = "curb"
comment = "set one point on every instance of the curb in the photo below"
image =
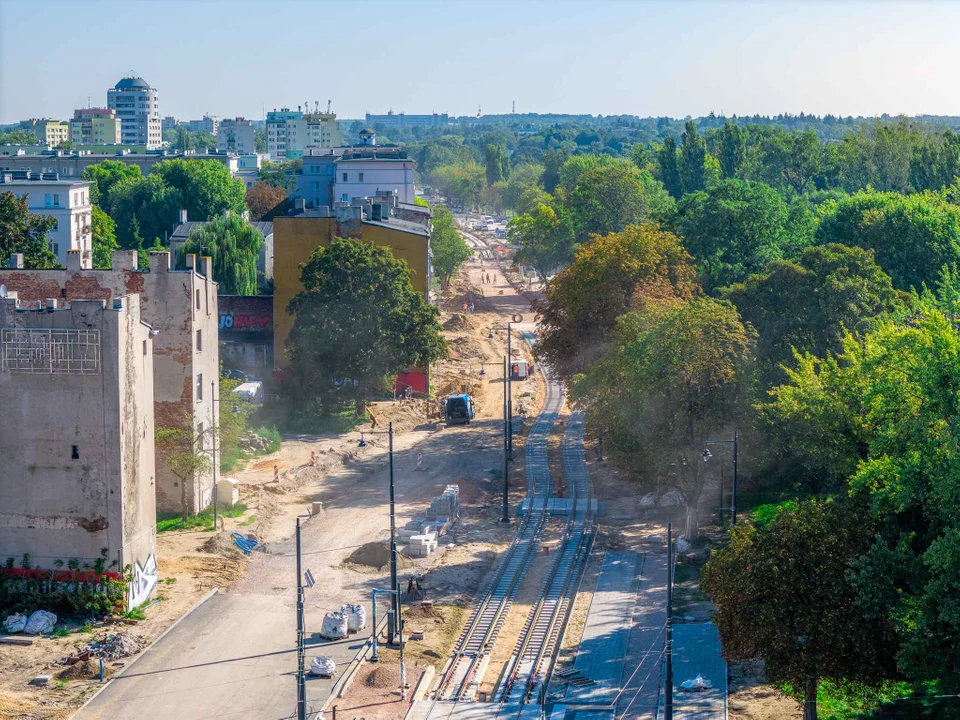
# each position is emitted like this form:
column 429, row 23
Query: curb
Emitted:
column 140, row 654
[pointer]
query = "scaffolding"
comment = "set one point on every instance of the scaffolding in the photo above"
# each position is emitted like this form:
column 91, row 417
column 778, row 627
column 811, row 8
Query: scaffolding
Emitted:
column 50, row 352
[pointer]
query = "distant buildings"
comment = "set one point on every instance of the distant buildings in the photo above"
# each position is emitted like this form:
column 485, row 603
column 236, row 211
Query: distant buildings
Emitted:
column 49, row 131
column 138, row 107
column 237, row 136
column 339, row 175
column 95, row 126
column 181, row 306
column 66, row 201
column 77, row 437
column 72, row 164
column 399, row 120
column 290, row 132
column 209, row 123
column 169, row 123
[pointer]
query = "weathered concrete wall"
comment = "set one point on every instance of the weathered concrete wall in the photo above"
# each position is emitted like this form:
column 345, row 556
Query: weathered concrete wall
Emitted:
column 176, row 304
column 71, row 484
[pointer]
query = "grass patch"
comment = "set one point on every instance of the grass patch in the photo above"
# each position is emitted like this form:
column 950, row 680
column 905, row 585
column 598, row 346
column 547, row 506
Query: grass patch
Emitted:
column 249, row 521
column 272, row 436
column 311, row 423
column 231, row 458
column 170, row 522
column 893, row 700
column 136, row 613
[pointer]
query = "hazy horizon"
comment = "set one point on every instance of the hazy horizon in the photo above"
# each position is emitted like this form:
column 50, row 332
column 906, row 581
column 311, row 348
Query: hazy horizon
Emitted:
column 609, row 58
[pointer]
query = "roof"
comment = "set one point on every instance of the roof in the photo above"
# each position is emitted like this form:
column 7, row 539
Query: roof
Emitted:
column 401, row 225
column 367, row 131
column 185, row 230
column 129, row 83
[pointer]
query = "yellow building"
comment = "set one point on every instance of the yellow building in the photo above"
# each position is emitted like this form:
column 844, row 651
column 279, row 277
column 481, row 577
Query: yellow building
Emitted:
column 95, row 126
column 48, row 130
column 295, row 236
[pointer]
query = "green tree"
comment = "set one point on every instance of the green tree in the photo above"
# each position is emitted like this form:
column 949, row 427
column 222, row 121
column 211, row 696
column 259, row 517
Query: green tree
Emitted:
column 185, row 456
column 448, row 247
column 358, row 321
column 103, row 229
column 608, row 198
column 610, row 275
column 553, row 160
column 546, row 240
column 206, row 186
column 676, row 375
column 522, row 178
column 260, row 140
column 144, row 209
column 104, row 176
column 21, row 232
column 880, row 416
column 912, row 236
column 693, row 155
column 790, row 161
column 18, row 136
column 234, row 246
column 669, row 169
column 732, row 150
column 64, row 145
column 810, row 304
column 461, row 183
column 936, row 161
column 735, row 229
column 497, row 164
column 784, row 593
column 574, row 168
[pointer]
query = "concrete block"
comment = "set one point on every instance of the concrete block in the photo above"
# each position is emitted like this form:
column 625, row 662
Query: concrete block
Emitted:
column 41, row 679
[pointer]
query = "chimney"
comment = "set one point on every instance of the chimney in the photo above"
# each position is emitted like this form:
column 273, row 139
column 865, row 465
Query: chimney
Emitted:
column 159, row 261
column 183, row 216
column 51, row 304
column 74, row 260
column 16, row 261
column 191, row 261
column 299, row 204
column 206, row 266
column 124, row 260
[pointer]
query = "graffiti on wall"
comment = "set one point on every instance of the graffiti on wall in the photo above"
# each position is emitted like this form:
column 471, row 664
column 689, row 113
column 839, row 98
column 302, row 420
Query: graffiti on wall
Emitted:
column 144, row 580
column 250, row 323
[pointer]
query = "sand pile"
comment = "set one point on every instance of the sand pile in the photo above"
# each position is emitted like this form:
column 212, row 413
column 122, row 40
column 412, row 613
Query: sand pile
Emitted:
column 376, row 555
column 83, row 670
column 457, row 321
column 383, row 677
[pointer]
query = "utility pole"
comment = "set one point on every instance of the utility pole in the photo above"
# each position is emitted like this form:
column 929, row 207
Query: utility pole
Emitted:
column 733, row 500
column 213, row 430
column 301, row 679
column 394, row 583
column 506, row 466
column 668, row 648
column 509, row 381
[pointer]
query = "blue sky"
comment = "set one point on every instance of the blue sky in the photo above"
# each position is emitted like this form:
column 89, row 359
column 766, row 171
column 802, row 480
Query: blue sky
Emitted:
column 593, row 56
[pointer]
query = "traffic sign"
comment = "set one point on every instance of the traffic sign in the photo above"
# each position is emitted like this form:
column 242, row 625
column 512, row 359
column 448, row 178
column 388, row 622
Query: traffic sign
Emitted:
column 308, row 578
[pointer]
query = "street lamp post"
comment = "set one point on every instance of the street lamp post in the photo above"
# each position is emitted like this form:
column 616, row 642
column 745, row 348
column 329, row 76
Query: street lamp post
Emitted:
column 505, row 518
column 706, row 454
column 394, row 583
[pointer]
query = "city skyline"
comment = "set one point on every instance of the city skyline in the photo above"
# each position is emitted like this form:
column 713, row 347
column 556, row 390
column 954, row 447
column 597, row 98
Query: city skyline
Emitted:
column 646, row 59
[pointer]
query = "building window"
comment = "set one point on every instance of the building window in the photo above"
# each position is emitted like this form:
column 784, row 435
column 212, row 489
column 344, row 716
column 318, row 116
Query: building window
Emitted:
column 345, row 198
column 75, row 452
column 56, row 199
column 199, row 387
column 144, row 348
column 361, row 177
column 199, row 340
column 344, row 177
column 46, row 200
column 198, row 299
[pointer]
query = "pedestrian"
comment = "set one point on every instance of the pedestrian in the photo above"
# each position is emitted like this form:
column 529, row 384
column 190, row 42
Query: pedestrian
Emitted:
column 494, row 278
column 464, row 306
column 471, row 308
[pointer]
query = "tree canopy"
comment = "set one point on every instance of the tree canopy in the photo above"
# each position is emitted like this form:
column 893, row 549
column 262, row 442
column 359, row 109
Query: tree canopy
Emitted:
column 21, row 232
column 234, row 246
column 448, row 248
column 358, row 321
column 546, row 240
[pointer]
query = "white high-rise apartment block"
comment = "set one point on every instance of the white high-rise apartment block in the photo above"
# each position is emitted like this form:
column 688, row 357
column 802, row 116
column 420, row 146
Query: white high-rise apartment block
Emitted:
column 138, row 108
column 66, row 201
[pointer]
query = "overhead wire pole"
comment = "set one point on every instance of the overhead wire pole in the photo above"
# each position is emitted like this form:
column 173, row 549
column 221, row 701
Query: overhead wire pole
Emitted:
column 668, row 628
column 301, row 679
column 509, row 389
column 394, row 583
column 706, row 454
column 506, row 466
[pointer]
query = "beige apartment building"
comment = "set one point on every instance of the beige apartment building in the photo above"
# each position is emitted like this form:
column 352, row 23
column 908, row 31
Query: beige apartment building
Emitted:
column 181, row 307
column 50, row 131
column 95, row 126
column 77, row 436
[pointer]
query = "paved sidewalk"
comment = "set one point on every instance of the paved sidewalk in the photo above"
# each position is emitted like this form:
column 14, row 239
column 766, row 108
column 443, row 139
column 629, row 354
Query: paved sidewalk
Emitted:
column 603, row 647
column 696, row 651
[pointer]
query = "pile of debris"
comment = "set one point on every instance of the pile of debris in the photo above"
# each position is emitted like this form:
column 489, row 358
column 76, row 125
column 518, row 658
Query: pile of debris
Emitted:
column 114, row 647
column 39, row 622
column 254, row 443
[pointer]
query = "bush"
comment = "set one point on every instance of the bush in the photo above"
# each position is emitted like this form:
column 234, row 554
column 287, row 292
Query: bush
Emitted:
column 272, row 436
column 172, row 521
column 231, row 458
column 67, row 593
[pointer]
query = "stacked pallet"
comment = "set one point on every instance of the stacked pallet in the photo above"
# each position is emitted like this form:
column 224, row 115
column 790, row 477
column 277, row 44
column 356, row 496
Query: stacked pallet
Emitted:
column 420, row 534
column 447, row 504
column 422, row 545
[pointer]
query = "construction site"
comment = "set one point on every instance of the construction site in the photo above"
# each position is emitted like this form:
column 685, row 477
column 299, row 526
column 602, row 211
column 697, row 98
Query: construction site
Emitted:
column 561, row 610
